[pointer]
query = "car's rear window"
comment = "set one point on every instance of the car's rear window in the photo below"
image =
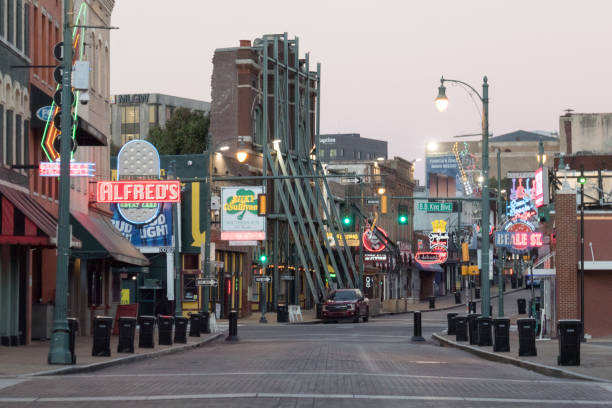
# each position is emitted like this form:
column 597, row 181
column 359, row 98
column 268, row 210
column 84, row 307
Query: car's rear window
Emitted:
column 343, row 295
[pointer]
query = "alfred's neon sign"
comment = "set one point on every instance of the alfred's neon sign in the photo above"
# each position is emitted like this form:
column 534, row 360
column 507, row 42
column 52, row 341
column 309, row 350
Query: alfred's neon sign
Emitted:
column 434, row 257
column 139, row 191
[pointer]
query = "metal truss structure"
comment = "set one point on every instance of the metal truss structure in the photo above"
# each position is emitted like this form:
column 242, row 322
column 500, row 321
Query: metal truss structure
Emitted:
column 286, row 116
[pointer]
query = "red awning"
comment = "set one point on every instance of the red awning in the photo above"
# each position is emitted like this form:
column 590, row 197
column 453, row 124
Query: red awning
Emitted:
column 109, row 238
column 25, row 222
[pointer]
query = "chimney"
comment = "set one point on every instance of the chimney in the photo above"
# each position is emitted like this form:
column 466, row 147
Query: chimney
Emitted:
column 245, row 43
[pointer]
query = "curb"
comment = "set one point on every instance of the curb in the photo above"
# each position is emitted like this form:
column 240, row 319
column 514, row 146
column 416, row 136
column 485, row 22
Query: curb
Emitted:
column 446, row 307
column 536, row 367
column 122, row 360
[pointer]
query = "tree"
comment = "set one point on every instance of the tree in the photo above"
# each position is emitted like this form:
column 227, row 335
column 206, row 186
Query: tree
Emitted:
column 185, row 133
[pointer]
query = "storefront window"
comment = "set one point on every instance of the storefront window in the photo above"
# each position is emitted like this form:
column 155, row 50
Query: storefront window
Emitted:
column 190, row 289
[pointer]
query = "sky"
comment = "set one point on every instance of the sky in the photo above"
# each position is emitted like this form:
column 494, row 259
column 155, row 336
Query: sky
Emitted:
column 381, row 61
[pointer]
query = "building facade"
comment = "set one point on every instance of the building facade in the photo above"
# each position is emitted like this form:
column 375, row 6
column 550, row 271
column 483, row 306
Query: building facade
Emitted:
column 134, row 115
column 350, row 146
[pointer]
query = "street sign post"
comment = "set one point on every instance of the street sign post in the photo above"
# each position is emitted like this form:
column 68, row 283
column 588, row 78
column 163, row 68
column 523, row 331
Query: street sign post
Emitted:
column 263, row 279
column 436, row 207
column 206, row 282
column 350, row 180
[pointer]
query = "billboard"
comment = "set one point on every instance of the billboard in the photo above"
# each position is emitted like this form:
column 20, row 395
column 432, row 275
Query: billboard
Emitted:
column 154, row 234
column 239, row 218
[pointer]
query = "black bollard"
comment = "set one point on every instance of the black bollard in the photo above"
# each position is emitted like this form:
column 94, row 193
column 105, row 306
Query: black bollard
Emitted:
column 233, row 326
column 205, row 323
column 432, row 302
column 457, row 298
column 417, row 333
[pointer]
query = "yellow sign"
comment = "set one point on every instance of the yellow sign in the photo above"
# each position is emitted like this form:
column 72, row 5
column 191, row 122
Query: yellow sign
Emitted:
column 125, row 296
column 465, row 252
column 469, row 270
column 439, row 226
column 352, row 239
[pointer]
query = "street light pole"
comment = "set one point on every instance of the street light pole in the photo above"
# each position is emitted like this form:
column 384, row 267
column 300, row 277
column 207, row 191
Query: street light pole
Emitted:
column 207, row 187
column 500, row 307
column 59, row 352
column 442, row 104
column 582, row 181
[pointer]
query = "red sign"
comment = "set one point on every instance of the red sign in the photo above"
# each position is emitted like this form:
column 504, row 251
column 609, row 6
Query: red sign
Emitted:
column 372, row 242
column 139, row 191
column 435, row 257
column 243, row 235
column 52, row 169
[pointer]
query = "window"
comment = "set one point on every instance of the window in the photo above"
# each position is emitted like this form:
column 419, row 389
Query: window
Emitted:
column 26, row 144
column 332, row 153
column 10, row 27
column 153, row 115
column 130, row 122
column 9, row 137
column 190, row 289
column 169, row 112
column 2, row 138
column 18, row 140
column 19, row 35
column 359, row 155
column 26, row 32
column 322, row 154
column 127, row 137
column 341, row 152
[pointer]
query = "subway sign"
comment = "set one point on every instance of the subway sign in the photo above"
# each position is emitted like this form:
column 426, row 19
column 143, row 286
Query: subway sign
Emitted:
column 139, row 191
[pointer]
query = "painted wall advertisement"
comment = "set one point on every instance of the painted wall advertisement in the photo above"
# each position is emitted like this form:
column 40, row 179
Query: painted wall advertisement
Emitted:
column 239, row 219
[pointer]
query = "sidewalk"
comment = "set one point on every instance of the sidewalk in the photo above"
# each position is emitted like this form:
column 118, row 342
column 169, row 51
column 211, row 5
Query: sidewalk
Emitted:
column 595, row 356
column 32, row 359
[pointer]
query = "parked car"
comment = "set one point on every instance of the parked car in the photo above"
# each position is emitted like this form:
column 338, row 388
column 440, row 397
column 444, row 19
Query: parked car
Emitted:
column 536, row 281
column 346, row 304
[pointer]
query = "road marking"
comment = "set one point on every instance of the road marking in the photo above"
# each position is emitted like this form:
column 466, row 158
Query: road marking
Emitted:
column 325, row 373
column 304, row 396
column 607, row 387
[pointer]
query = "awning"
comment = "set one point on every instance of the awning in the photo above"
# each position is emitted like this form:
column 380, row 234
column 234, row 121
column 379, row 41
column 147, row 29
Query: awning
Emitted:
column 26, row 222
column 88, row 135
column 101, row 240
column 428, row 267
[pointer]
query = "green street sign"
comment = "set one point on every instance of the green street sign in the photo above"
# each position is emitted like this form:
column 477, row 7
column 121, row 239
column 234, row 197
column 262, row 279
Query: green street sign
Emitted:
column 436, row 207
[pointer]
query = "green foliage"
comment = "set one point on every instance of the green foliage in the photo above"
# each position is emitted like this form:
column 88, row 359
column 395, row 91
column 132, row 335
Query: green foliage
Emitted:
column 185, row 133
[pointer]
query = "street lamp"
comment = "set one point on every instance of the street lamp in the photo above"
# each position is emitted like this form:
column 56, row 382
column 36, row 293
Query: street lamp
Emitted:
column 582, row 181
column 541, row 156
column 442, row 104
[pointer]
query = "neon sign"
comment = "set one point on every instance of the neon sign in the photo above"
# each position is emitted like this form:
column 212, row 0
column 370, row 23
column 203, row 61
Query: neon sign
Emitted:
column 518, row 236
column 51, row 131
column 52, row 169
column 139, row 191
column 433, row 257
column 522, row 196
column 372, row 242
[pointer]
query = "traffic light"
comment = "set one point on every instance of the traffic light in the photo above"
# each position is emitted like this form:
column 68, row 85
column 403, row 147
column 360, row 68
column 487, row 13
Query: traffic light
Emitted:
column 582, row 180
column 263, row 258
column 347, row 219
column 402, row 214
column 262, row 205
column 383, row 204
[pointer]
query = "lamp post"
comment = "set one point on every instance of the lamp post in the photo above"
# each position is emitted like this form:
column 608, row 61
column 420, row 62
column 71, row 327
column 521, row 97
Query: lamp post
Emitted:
column 500, row 307
column 442, row 104
column 59, row 352
column 582, row 180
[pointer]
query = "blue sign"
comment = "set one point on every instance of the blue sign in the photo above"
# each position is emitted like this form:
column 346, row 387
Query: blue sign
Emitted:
column 157, row 233
column 44, row 113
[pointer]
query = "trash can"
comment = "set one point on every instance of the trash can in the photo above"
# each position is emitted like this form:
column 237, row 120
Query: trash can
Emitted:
column 233, row 326
column 147, row 329
column 471, row 307
column 127, row 333
column 450, row 317
column 457, row 298
column 477, row 293
column 73, row 328
column 501, row 334
column 319, row 309
column 473, row 327
column 484, row 331
column 165, row 325
column 526, row 332
column 513, row 282
column 461, row 328
column 195, row 324
column 282, row 314
column 432, row 302
column 570, row 336
column 205, row 323
column 520, row 281
column 103, row 326
column 180, row 329
column 522, row 306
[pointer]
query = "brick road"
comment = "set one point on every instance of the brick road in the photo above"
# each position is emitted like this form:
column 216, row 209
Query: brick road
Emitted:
column 328, row 365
